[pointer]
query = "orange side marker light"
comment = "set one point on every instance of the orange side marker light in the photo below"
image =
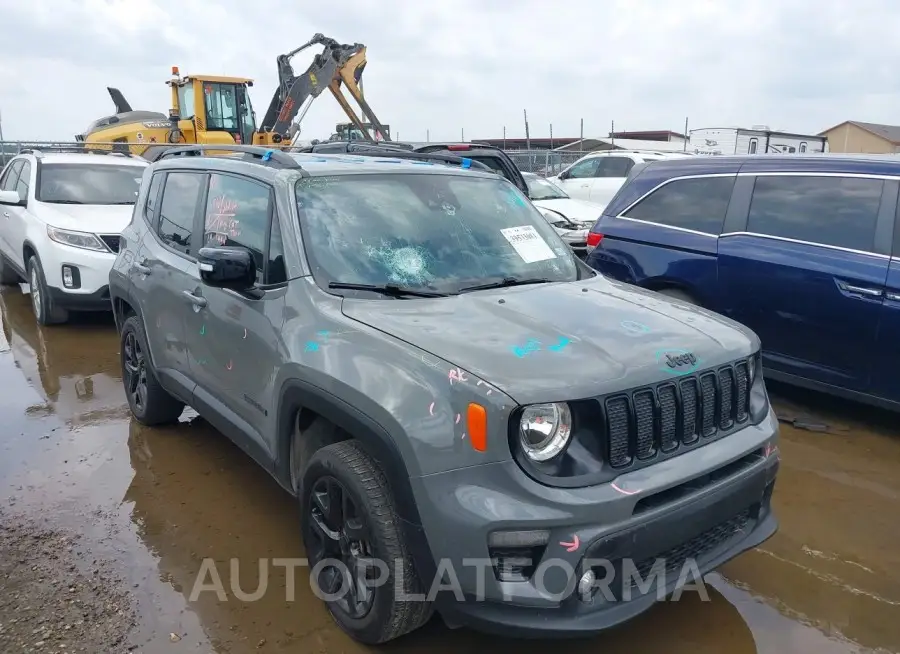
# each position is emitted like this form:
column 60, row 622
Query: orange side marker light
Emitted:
column 476, row 418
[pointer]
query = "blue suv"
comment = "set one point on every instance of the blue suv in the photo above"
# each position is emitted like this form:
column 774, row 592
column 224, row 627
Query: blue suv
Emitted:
column 801, row 249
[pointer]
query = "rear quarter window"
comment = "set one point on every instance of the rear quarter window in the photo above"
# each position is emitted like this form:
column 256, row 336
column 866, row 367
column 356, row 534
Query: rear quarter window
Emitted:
column 698, row 204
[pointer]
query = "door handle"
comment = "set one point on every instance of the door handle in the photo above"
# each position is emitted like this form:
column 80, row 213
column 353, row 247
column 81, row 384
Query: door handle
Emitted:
column 861, row 290
column 141, row 268
column 196, row 300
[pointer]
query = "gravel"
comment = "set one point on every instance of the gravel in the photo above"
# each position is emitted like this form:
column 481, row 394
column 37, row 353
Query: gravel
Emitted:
column 54, row 597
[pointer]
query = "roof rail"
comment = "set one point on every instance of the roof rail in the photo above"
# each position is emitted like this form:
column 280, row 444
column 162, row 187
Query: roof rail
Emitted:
column 69, row 149
column 397, row 153
column 266, row 156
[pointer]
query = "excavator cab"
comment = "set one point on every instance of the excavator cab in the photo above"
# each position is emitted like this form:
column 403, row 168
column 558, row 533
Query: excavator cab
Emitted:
column 212, row 109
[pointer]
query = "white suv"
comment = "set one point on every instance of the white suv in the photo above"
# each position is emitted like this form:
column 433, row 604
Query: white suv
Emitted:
column 61, row 215
column 597, row 176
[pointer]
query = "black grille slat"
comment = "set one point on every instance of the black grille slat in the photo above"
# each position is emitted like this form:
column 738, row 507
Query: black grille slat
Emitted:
column 726, row 398
column 618, row 428
column 644, row 422
column 689, row 406
column 668, row 417
column 111, row 241
column 708, row 404
column 742, row 391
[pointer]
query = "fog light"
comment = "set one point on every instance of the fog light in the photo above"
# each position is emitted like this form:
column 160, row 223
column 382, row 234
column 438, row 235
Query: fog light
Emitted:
column 68, row 277
column 586, row 586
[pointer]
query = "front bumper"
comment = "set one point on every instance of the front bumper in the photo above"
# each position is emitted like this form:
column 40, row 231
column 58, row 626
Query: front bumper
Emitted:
column 625, row 525
column 98, row 300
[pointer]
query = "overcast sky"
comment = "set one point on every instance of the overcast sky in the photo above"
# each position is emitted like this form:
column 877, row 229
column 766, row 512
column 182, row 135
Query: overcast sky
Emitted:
column 473, row 65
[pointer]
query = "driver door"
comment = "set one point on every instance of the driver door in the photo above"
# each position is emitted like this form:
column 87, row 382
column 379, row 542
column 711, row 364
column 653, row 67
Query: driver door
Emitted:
column 578, row 180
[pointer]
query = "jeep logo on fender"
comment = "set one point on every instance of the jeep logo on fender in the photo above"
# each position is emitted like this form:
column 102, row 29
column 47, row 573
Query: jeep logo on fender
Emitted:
column 677, row 362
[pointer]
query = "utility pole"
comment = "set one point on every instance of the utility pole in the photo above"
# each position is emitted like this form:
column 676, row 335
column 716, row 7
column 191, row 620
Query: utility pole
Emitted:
column 504, row 137
column 685, row 133
column 581, row 135
column 612, row 132
column 462, row 134
column 527, row 133
column 428, row 136
column 1, row 127
column 551, row 136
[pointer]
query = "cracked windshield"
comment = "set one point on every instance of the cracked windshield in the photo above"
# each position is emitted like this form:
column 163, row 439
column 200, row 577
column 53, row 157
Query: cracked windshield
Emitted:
column 432, row 231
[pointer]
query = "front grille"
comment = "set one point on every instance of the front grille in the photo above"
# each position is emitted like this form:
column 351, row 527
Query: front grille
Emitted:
column 675, row 558
column 675, row 415
column 111, row 240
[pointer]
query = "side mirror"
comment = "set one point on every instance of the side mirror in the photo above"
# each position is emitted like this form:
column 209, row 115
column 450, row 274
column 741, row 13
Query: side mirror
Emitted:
column 11, row 198
column 563, row 175
column 227, row 267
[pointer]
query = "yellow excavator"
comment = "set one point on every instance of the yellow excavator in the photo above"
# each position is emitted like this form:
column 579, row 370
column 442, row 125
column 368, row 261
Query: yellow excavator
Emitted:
column 214, row 109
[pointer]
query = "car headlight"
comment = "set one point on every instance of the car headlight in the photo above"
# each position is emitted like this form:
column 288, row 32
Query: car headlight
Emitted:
column 545, row 430
column 554, row 218
column 83, row 240
column 759, row 397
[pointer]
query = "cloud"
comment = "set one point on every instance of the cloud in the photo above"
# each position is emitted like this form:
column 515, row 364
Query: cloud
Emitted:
column 444, row 67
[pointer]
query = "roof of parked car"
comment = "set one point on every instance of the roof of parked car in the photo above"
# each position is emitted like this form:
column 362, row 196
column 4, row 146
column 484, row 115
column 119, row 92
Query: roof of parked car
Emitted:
column 84, row 158
column 809, row 161
column 322, row 164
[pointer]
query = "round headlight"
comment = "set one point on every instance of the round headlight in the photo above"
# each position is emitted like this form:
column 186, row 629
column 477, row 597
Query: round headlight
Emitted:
column 545, row 430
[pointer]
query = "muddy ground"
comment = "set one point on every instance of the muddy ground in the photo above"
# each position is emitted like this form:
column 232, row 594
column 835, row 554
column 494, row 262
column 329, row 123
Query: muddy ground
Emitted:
column 104, row 526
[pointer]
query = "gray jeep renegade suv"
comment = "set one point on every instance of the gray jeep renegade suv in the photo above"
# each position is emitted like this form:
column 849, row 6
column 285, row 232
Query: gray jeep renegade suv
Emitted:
column 471, row 419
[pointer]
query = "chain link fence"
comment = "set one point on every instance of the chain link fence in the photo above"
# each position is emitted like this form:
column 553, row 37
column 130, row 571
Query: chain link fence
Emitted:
column 541, row 162
column 544, row 162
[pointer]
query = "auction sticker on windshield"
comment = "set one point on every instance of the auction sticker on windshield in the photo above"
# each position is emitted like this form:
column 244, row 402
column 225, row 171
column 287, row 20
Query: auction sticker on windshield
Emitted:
column 528, row 243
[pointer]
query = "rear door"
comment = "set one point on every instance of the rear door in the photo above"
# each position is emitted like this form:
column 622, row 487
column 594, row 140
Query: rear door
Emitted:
column 610, row 175
column 807, row 272
column 578, row 180
column 886, row 353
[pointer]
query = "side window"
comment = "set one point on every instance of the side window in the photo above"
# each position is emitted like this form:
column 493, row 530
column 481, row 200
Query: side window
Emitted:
column 237, row 213
column 24, row 181
column 615, row 167
column 698, row 204
column 276, row 272
column 11, row 176
column 186, row 101
column 754, row 143
column 178, row 208
column 839, row 211
column 151, row 211
column 584, row 169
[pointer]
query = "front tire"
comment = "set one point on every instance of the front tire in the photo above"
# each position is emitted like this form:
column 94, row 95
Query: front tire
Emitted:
column 348, row 518
column 45, row 312
column 150, row 403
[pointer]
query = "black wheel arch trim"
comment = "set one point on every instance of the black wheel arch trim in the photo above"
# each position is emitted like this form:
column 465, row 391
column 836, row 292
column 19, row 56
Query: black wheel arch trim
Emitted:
column 374, row 438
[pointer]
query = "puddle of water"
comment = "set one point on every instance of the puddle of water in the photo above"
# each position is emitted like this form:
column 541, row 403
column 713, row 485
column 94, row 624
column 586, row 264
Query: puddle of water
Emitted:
column 160, row 501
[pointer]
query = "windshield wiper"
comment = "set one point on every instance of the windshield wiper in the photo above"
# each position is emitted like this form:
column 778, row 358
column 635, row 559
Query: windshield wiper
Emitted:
column 506, row 281
column 387, row 289
column 63, row 201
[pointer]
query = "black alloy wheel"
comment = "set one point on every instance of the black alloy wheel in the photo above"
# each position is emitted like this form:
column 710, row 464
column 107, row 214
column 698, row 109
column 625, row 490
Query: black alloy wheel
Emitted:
column 342, row 543
column 135, row 371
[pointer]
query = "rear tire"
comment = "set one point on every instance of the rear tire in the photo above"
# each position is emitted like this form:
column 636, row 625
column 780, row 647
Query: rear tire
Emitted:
column 678, row 294
column 150, row 403
column 45, row 312
column 347, row 467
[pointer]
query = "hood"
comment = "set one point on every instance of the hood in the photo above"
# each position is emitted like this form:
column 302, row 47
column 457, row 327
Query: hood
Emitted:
column 554, row 342
column 94, row 218
column 579, row 211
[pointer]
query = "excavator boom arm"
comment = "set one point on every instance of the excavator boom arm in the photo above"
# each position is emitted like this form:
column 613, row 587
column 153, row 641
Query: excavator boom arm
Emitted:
column 338, row 63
